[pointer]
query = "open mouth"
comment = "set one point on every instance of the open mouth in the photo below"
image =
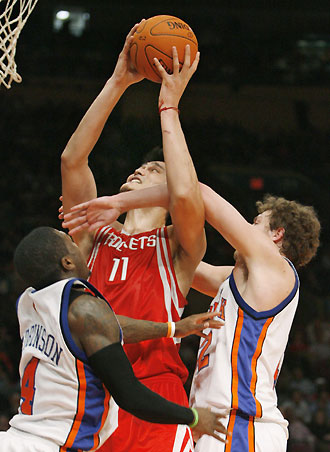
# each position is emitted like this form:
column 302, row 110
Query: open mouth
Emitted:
column 135, row 180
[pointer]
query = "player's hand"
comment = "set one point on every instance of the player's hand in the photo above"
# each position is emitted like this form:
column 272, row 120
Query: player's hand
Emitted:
column 173, row 85
column 125, row 74
column 196, row 323
column 92, row 215
column 209, row 423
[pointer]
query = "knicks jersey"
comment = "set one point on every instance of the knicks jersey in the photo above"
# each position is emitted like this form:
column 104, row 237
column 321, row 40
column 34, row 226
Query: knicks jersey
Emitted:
column 135, row 273
column 238, row 365
column 61, row 398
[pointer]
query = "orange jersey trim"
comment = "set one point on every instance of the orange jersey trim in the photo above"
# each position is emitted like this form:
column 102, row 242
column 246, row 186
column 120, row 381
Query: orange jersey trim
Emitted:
column 254, row 364
column 80, row 409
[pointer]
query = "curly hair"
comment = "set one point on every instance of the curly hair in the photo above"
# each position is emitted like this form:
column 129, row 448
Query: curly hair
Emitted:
column 302, row 227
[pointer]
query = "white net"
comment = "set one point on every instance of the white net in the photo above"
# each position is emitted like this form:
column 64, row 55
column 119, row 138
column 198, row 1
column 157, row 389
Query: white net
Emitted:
column 13, row 16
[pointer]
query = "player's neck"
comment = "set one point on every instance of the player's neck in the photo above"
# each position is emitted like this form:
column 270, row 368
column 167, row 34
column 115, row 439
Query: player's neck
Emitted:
column 141, row 220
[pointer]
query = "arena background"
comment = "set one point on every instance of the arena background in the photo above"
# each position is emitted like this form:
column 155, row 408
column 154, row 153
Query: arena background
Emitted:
column 256, row 116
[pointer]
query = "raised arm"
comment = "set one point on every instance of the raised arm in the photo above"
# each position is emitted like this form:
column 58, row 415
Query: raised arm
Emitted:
column 78, row 184
column 242, row 235
column 96, row 330
column 185, row 200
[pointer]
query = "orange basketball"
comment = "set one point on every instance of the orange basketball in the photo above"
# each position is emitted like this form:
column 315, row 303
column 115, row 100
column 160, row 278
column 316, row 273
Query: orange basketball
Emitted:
column 155, row 37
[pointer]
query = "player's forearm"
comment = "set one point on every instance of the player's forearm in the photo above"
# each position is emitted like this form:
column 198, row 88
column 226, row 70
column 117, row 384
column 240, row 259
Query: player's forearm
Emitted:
column 135, row 330
column 181, row 176
column 156, row 196
column 90, row 127
column 226, row 219
column 185, row 200
column 112, row 366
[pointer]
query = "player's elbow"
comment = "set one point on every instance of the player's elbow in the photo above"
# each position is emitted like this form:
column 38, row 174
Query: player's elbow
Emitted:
column 70, row 161
column 186, row 199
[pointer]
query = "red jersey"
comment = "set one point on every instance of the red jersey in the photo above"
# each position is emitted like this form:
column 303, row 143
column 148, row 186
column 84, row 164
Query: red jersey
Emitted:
column 135, row 273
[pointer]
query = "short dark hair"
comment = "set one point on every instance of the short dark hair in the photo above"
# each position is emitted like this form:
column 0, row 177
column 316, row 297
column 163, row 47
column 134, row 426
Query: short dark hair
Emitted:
column 302, row 227
column 154, row 155
column 37, row 258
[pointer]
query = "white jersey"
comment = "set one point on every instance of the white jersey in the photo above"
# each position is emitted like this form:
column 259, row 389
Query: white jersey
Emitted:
column 238, row 365
column 61, row 398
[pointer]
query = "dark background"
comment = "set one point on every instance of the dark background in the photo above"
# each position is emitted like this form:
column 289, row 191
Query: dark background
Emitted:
column 256, row 116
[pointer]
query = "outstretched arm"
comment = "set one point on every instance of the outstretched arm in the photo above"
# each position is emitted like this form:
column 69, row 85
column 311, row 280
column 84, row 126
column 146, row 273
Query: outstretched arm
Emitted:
column 78, row 184
column 105, row 210
column 135, row 330
column 95, row 329
column 185, row 200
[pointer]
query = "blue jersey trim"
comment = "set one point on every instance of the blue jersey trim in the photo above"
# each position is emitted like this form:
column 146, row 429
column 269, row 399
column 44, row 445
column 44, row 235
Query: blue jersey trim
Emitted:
column 75, row 350
column 17, row 302
column 98, row 294
column 263, row 314
column 73, row 347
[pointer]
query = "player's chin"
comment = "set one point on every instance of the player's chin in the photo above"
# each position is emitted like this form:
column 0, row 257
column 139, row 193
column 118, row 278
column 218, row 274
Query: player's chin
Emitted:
column 128, row 186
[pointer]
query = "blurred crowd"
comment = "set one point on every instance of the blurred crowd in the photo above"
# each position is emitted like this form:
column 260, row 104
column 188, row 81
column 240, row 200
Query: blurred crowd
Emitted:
column 225, row 157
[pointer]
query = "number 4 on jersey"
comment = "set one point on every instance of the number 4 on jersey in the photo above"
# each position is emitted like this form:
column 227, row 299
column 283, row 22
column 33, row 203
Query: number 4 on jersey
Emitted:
column 27, row 386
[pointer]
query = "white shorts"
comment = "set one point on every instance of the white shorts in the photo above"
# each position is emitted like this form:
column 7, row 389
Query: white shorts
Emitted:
column 260, row 437
column 16, row 441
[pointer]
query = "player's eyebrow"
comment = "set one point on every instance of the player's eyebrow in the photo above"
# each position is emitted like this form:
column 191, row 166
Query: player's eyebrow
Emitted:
column 160, row 166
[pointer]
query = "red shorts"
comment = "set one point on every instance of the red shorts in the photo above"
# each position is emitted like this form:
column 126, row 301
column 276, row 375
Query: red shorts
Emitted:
column 135, row 435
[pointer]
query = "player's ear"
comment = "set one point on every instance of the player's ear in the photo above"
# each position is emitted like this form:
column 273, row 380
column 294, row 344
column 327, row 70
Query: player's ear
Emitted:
column 278, row 234
column 67, row 263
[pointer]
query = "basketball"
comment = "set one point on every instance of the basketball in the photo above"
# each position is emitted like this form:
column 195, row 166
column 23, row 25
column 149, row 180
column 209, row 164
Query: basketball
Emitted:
column 155, row 38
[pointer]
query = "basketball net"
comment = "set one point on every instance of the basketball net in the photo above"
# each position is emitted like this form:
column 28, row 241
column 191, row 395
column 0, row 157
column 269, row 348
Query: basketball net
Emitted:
column 12, row 21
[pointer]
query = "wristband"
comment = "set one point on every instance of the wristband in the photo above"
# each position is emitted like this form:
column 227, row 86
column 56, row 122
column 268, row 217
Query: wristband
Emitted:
column 195, row 421
column 170, row 329
column 168, row 108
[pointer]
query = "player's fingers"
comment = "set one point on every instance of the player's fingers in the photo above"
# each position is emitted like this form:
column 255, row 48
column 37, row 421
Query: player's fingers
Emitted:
column 160, row 68
column 82, row 206
column 74, row 222
column 61, row 198
column 206, row 316
column 209, row 315
column 200, row 334
column 194, row 65
column 220, row 429
column 219, row 438
column 73, row 215
column 78, row 228
column 187, row 56
column 93, row 227
column 133, row 29
column 214, row 324
column 176, row 63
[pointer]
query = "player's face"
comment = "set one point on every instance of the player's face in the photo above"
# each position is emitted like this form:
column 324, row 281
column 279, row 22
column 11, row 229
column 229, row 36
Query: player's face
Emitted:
column 82, row 271
column 149, row 174
column 261, row 222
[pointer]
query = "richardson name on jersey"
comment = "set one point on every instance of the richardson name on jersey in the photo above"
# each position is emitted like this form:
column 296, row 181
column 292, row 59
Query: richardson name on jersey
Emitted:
column 36, row 336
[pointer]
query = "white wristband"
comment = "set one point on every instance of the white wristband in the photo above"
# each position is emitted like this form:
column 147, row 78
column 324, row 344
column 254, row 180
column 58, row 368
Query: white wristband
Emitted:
column 170, row 329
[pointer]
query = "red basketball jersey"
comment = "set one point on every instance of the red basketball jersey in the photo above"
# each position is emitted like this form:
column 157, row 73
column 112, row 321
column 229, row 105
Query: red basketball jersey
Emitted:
column 135, row 273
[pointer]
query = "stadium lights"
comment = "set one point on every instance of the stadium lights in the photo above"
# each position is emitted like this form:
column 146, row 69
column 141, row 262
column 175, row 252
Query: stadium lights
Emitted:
column 62, row 15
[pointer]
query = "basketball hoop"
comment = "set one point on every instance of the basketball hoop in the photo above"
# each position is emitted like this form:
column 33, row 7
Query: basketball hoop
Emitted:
column 13, row 16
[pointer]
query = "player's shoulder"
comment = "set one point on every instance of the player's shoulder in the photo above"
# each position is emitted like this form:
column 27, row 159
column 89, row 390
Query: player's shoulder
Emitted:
column 86, row 307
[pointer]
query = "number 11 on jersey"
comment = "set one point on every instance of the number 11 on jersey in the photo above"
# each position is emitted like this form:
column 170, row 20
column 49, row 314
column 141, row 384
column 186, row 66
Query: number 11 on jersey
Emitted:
column 116, row 266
